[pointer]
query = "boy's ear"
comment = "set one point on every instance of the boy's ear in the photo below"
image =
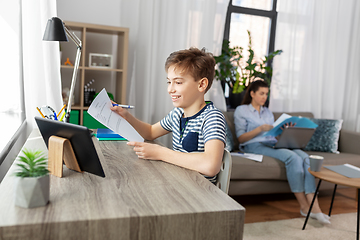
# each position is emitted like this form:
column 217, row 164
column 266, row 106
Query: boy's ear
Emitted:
column 203, row 83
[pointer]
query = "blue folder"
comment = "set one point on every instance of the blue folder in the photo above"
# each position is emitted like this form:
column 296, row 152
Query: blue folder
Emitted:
column 106, row 133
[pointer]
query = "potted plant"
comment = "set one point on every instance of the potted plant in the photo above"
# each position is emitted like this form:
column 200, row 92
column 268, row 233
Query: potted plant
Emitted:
column 33, row 182
column 233, row 70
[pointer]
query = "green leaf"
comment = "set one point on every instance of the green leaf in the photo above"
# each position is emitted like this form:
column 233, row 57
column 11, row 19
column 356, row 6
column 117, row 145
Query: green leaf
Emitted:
column 232, row 67
column 32, row 164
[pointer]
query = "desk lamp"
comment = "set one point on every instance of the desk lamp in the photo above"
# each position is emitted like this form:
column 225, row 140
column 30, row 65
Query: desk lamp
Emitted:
column 57, row 31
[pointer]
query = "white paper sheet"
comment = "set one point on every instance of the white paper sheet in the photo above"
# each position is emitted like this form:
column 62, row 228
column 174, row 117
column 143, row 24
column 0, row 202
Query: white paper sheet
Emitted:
column 283, row 117
column 100, row 110
column 352, row 166
column 252, row 156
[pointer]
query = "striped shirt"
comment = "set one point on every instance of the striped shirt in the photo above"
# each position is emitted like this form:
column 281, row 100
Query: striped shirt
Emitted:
column 190, row 134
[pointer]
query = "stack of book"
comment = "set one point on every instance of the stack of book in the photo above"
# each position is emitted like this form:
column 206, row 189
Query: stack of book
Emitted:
column 105, row 134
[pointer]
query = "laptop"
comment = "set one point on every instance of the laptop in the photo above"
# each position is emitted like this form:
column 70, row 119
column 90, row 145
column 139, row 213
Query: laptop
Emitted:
column 294, row 138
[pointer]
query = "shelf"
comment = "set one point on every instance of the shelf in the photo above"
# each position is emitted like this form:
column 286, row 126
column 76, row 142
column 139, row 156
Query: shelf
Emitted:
column 100, row 39
column 103, row 69
column 76, row 107
column 69, row 67
column 93, row 68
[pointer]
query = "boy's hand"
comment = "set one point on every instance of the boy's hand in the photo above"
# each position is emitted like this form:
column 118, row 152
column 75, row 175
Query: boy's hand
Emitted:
column 119, row 110
column 146, row 150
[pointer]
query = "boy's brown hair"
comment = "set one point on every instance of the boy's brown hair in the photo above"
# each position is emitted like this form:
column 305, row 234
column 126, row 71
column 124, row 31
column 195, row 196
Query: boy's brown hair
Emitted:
column 198, row 63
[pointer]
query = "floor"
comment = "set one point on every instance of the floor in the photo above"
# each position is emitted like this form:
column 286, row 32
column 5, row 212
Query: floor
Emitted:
column 271, row 207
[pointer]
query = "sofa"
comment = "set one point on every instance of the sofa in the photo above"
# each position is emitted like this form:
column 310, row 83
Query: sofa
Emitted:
column 249, row 177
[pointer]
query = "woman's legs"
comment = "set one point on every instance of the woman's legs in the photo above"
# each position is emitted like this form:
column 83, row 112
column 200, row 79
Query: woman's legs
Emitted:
column 293, row 163
column 309, row 186
column 309, row 180
column 305, row 201
column 301, row 182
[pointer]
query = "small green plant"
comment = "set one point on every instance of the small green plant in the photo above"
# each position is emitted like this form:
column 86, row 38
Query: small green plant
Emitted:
column 238, row 74
column 33, row 164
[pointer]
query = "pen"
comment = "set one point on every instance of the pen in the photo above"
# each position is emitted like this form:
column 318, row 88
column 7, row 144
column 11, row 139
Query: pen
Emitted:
column 61, row 110
column 62, row 116
column 123, row 106
column 40, row 112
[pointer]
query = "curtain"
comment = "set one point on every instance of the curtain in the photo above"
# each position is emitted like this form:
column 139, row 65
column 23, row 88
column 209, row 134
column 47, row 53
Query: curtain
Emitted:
column 319, row 68
column 41, row 60
column 158, row 28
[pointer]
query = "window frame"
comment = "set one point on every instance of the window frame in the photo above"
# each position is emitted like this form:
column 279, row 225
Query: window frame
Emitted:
column 255, row 12
column 18, row 138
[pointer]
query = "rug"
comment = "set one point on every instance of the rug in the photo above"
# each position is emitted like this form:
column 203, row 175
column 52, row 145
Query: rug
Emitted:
column 343, row 226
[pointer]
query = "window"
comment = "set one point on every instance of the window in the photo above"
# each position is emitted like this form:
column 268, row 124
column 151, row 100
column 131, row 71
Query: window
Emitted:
column 11, row 96
column 257, row 4
column 259, row 17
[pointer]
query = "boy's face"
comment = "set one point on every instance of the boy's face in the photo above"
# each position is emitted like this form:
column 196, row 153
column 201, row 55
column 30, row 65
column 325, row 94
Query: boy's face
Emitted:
column 183, row 88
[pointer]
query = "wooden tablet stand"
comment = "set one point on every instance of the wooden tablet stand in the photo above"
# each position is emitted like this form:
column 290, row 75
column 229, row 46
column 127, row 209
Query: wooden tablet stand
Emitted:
column 60, row 150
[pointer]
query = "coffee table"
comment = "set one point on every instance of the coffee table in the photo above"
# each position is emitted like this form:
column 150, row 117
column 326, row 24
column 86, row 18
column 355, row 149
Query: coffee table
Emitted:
column 336, row 178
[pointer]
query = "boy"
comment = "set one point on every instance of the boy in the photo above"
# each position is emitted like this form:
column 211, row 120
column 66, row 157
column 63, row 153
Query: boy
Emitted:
column 198, row 128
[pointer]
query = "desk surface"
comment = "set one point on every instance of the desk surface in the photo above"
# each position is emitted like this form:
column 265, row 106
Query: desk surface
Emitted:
column 138, row 199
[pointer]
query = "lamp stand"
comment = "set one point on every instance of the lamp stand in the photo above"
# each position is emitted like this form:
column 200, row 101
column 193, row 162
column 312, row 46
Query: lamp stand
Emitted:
column 77, row 41
column 73, row 82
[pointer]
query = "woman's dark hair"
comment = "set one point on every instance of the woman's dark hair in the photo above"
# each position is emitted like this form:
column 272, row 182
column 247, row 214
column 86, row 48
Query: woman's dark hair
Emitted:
column 254, row 86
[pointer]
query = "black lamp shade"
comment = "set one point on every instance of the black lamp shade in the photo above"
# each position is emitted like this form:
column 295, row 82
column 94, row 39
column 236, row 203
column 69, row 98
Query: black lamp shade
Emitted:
column 55, row 30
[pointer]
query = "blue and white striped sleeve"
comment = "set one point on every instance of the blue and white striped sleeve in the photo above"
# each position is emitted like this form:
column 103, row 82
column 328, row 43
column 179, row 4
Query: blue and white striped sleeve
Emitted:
column 214, row 126
column 166, row 122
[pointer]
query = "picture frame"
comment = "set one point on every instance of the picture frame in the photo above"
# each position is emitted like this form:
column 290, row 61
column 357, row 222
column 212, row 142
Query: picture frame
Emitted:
column 98, row 60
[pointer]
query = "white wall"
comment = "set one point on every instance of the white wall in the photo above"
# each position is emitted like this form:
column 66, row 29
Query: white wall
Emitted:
column 106, row 12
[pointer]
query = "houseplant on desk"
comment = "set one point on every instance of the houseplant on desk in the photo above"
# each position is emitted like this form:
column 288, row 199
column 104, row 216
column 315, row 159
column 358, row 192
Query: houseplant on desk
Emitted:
column 238, row 73
column 33, row 181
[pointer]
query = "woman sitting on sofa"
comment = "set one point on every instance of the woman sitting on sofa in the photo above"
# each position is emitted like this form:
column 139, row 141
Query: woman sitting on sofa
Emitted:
column 251, row 119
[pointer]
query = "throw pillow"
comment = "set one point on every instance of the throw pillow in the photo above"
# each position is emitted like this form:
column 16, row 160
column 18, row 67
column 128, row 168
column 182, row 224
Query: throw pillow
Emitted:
column 229, row 139
column 326, row 136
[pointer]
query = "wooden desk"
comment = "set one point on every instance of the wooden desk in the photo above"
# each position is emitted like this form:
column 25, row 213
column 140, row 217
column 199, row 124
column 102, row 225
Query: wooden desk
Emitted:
column 138, row 199
column 336, row 178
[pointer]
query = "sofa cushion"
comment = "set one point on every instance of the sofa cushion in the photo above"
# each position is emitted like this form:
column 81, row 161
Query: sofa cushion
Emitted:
column 273, row 169
column 269, row 168
column 229, row 138
column 229, row 117
column 326, row 136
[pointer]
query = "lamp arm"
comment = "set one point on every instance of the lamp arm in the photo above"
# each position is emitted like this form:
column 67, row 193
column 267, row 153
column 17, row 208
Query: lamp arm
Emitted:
column 73, row 37
column 78, row 43
column 73, row 82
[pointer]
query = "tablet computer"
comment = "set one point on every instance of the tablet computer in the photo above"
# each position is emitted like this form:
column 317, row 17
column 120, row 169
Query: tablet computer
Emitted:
column 81, row 141
column 294, row 138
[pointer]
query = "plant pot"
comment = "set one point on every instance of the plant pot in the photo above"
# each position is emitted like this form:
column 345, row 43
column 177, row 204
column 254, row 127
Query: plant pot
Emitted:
column 32, row 192
column 235, row 99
